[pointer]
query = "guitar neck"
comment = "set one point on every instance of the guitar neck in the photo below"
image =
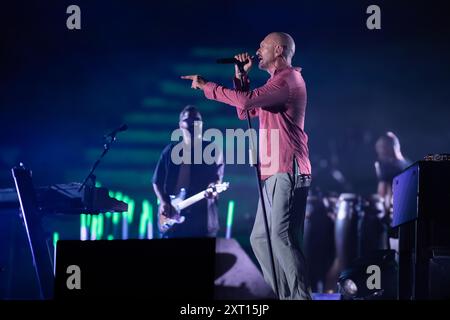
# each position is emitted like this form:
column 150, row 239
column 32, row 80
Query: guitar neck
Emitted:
column 191, row 200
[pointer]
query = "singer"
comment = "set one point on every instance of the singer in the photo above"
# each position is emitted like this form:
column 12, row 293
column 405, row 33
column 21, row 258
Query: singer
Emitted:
column 280, row 105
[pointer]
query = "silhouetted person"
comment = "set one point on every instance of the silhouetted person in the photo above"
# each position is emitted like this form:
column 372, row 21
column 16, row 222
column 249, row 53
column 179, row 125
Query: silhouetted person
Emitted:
column 390, row 162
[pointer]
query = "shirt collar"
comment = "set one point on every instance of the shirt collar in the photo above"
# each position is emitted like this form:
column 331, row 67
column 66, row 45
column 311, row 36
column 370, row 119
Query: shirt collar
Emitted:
column 285, row 68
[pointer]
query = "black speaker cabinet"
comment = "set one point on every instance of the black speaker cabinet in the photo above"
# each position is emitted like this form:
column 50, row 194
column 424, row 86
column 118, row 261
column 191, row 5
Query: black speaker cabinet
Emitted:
column 422, row 214
column 175, row 269
column 422, row 191
column 182, row 269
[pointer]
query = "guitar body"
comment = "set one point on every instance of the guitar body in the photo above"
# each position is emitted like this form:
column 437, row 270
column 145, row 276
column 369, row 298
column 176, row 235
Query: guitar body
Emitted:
column 164, row 222
column 179, row 203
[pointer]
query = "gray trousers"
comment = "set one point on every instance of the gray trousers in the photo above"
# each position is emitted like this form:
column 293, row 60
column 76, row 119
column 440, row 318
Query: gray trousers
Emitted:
column 285, row 199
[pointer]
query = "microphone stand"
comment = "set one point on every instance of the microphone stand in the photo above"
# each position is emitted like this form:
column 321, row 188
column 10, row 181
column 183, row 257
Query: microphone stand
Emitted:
column 106, row 148
column 254, row 161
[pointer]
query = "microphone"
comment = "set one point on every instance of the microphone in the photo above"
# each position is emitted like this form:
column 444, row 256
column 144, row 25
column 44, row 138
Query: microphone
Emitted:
column 231, row 61
column 115, row 131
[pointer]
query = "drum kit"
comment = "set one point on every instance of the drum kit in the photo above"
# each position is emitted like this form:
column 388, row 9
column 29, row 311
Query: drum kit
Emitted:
column 338, row 230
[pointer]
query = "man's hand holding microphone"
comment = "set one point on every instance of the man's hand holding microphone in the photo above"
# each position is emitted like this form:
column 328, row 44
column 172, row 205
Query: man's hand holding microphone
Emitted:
column 243, row 60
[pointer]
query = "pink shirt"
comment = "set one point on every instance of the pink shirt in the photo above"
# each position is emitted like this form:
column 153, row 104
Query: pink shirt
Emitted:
column 280, row 104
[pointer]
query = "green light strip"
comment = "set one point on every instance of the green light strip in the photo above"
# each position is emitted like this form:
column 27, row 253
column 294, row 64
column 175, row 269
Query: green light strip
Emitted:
column 94, row 228
column 230, row 215
column 83, row 227
column 83, row 220
column 115, row 217
column 146, row 136
column 131, row 206
column 100, row 226
column 55, row 238
column 150, row 212
column 150, row 222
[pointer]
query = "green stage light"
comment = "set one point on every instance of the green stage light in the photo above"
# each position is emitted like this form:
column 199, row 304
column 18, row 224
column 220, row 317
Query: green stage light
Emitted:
column 94, row 228
column 131, row 206
column 55, row 238
column 116, row 217
column 230, row 216
column 100, row 225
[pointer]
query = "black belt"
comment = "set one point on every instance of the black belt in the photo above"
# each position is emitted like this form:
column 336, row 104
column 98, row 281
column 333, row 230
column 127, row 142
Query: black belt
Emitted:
column 296, row 171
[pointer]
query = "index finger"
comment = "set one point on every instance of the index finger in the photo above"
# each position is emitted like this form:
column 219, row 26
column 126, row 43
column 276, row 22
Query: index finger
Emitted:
column 190, row 77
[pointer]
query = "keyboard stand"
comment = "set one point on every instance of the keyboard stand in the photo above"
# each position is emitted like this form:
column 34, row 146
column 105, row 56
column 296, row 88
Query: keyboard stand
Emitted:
column 42, row 261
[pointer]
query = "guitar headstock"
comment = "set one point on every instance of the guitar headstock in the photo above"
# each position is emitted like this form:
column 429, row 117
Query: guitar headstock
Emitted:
column 221, row 187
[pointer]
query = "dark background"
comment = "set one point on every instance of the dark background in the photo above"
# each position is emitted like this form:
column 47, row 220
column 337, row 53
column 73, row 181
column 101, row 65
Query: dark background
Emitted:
column 61, row 90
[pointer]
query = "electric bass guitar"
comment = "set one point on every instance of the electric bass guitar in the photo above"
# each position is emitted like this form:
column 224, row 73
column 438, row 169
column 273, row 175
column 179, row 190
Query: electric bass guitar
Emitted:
column 179, row 203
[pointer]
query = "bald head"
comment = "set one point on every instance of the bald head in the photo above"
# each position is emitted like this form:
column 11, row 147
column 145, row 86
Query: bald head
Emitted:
column 284, row 40
column 275, row 51
column 388, row 147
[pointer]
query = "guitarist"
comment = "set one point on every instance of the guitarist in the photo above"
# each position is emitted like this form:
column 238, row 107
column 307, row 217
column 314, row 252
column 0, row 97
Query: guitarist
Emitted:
column 168, row 179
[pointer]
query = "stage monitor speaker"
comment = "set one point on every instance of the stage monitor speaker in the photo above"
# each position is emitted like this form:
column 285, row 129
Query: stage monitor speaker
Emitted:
column 237, row 277
column 422, row 191
column 175, row 269
column 422, row 214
